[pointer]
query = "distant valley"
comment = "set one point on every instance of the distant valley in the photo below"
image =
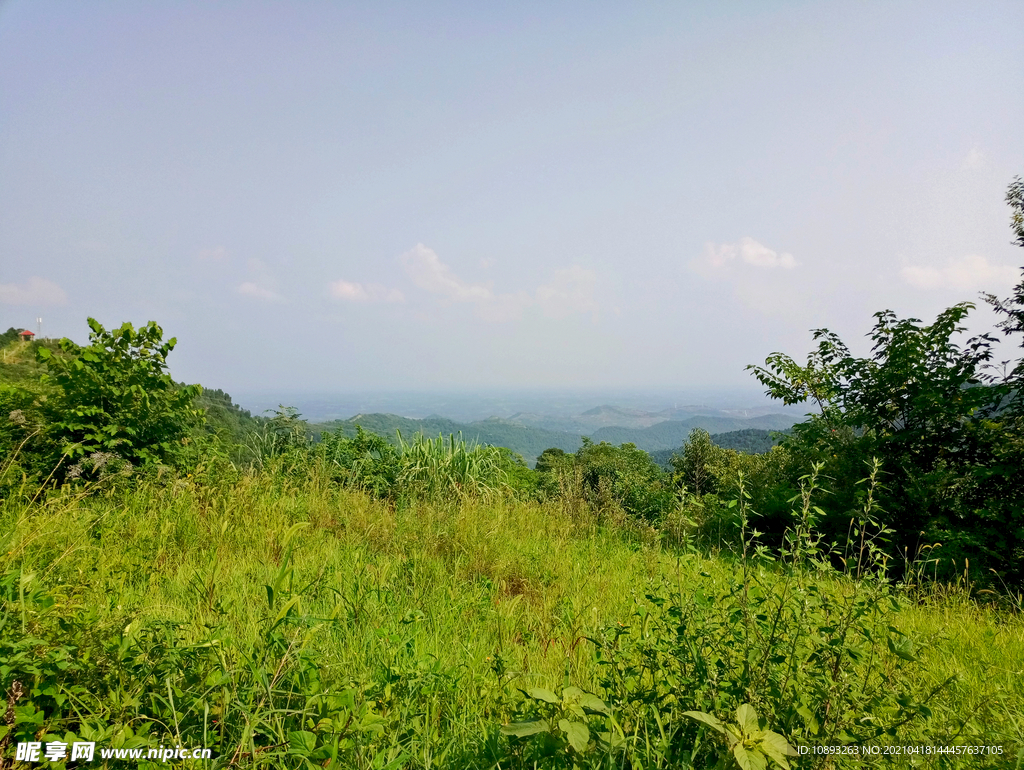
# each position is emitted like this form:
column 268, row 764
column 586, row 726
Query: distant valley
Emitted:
column 530, row 434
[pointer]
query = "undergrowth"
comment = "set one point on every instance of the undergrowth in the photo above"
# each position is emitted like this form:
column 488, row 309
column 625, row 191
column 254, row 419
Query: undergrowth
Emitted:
column 285, row 620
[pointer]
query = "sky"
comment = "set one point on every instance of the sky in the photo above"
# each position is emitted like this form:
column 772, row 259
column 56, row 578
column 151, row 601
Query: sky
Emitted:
column 324, row 197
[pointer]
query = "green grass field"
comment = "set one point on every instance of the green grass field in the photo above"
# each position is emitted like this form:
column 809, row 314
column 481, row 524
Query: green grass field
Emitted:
column 287, row 622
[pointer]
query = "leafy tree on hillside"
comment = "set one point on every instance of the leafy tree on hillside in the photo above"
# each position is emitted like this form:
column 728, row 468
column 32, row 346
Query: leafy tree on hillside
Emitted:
column 930, row 410
column 1012, row 309
column 917, row 403
column 114, row 396
column 551, row 459
column 9, row 336
column 694, row 467
column 626, row 476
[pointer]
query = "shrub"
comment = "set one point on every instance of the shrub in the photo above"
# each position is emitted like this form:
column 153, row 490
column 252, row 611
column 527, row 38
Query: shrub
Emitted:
column 450, row 469
column 115, row 396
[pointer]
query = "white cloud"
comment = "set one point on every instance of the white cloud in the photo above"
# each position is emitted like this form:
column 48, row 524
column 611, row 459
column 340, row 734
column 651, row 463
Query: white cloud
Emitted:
column 38, row 291
column 972, row 272
column 571, row 291
column 748, row 251
column 251, row 289
column 428, row 272
column 262, row 284
column 357, row 292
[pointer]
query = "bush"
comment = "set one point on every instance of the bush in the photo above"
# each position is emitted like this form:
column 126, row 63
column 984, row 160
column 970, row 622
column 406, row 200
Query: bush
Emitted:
column 22, row 437
column 114, row 396
column 621, row 477
column 450, row 469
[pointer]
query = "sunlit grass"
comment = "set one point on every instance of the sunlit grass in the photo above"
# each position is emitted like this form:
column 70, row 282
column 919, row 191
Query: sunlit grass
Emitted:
column 461, row 591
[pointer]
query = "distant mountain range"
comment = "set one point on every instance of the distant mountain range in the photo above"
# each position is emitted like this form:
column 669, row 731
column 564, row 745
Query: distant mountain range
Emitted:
column 607, row 416
column 529, row 435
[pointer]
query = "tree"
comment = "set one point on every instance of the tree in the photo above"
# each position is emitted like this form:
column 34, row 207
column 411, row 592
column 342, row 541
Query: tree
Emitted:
column 1012, row 309
column 624, row 476
column 949, row 433
column 550, row 460
column 694, row 466
column 115, row 396
column 11, row 335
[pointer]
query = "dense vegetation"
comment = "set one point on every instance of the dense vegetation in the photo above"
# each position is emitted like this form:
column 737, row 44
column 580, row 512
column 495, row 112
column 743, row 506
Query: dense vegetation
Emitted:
column 748, row 441
column 176, row 572
column 529, row 441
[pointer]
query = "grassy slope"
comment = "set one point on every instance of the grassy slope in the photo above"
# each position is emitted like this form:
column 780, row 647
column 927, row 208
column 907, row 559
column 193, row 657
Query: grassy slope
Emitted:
column 18, row 365
column 431, row 589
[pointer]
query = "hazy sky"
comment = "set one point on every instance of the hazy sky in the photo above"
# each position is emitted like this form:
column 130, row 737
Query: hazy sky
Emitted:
column 318, row 196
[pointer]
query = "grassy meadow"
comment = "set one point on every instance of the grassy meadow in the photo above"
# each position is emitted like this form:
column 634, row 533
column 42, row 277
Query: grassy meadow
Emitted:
column 288, row 621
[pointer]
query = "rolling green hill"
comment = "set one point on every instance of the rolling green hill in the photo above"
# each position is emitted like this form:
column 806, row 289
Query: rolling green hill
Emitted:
column 529, row 442
column 747, row 435
column 672, row 434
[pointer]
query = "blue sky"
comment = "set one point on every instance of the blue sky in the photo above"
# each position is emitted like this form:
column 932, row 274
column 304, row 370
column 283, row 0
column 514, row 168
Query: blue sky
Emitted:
column 410, row 196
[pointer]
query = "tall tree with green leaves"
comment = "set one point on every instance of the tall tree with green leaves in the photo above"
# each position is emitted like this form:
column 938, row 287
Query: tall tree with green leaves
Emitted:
column 693, row 467
column 1012, row 309
column 949, row 433
column 115, row 396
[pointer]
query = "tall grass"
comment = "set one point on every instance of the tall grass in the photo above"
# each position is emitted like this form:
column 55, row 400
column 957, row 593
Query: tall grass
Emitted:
column 450, row 469
column 287, row 621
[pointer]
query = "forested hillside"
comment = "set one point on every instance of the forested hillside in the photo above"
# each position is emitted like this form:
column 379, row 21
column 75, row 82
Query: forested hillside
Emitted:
column 528, row 442
column 531, row 441
column 672, row 433
column 222, row 414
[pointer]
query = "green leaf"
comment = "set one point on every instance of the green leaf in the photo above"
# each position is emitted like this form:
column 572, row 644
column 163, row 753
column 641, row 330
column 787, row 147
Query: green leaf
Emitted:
column 748, row 759
column 301, row 742
column 539, row 693
column 904, row 648
column 591, row 702
column 746, row 717
column 707, row 719
column 577, row 734
column 777, row 749
column 523, row 729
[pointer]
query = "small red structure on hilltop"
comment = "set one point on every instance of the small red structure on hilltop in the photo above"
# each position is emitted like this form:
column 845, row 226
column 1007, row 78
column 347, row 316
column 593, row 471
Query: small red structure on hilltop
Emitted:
column 27, row 335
